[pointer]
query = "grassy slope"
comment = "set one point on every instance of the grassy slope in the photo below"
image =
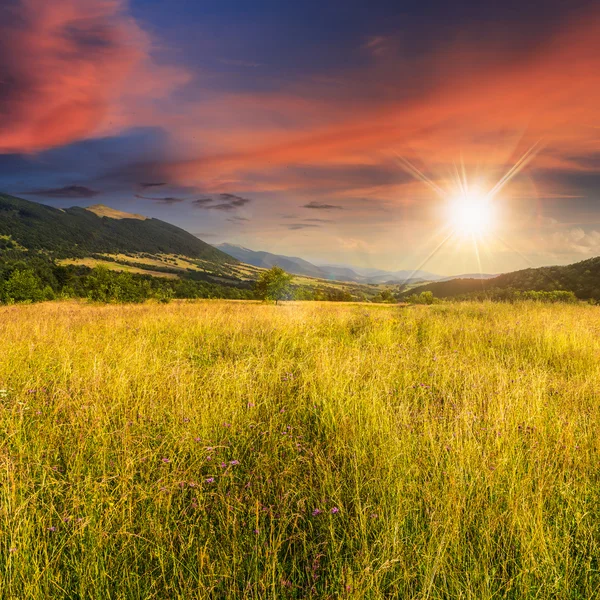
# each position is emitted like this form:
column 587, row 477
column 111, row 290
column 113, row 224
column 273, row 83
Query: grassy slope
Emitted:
column 459, row 444
column 79, row 232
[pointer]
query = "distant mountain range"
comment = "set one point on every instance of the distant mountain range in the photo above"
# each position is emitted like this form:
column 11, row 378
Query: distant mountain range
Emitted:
column 97, row 229
column 299, row 266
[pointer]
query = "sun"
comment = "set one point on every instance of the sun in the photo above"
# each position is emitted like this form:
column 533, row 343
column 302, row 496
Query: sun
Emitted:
column 471, row 214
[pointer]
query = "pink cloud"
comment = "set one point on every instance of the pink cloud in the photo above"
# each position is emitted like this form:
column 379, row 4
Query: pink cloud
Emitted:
column 68, row 69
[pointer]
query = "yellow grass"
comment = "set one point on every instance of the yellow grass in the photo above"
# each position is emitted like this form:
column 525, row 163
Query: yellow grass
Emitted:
column 113, row 266
column 374, row 452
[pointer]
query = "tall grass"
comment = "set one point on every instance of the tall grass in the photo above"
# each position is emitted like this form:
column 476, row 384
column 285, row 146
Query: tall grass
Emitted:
column 236, row 450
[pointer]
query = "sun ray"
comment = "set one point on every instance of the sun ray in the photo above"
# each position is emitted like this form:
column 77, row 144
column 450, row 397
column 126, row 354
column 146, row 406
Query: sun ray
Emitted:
column 411, row 169
column 525, row 159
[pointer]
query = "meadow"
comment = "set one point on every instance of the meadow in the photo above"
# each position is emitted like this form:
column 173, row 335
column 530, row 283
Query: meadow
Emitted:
column 223, row 449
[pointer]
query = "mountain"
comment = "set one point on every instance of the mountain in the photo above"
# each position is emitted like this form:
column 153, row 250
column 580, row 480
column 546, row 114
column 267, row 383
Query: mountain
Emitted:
column 582, row 278
column 299, row 266
column 292, row 264
column 76, row 232
column 372, row 275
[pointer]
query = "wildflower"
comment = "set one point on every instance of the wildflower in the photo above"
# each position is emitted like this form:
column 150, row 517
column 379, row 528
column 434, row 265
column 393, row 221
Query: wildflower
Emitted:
column 316, row 512
column 282, row 410
column 251, row 405
column 52, row 528
column 223, row 465
column 335, row 510
column 210, row 480
column 12, row 549
column 209, row 458
column 234, row 462
column 196, row 439
column 226, row 424
column 165, row 460
column 256, row 532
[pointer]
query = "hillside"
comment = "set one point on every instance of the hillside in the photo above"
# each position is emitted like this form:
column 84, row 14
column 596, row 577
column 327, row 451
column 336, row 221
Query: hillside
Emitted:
column 299, row 266
column 582, row 278
column 81, row 232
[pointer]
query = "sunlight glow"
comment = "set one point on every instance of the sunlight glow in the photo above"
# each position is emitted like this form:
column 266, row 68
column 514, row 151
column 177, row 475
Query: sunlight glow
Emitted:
column 471, row 214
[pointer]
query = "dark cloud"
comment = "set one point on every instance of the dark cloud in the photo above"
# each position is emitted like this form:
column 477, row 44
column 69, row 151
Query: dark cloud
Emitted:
column 234, row 200
column 298, row 226
column 70, row 191
column 319, row 220
column 164, row 200
column 237, row 219
column 226, row 202
column 202, row 202
column 151, row 185
column 323, row 206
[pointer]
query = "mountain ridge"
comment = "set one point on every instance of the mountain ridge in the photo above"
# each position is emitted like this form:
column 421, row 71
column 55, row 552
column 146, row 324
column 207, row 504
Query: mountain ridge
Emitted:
column 76, row 232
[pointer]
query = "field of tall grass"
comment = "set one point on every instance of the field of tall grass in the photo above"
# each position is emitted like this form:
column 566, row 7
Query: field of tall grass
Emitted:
column 229, row 450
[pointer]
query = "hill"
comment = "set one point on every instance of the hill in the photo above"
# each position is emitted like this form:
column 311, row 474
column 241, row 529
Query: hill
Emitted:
column 299, row 266
column 266, row 260
column 80, row 232
column 582, row 278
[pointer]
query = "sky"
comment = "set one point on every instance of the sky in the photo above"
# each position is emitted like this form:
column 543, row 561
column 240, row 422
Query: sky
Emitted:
column 338, row 131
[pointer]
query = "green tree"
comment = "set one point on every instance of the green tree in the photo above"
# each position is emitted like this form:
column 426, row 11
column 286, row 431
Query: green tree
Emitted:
column 273, row 284
column 23, row 286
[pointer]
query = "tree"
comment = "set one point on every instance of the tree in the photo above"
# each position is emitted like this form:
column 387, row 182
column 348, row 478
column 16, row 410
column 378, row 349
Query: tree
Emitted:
column 273, row 284
column 22, row 286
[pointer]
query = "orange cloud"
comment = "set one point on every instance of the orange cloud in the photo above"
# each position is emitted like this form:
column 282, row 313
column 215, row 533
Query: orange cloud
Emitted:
column 486, row 106
column 65, row 67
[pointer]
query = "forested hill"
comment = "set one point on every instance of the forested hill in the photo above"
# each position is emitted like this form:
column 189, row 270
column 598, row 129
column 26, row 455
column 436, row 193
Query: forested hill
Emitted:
column 582, row 278
column 77, row 232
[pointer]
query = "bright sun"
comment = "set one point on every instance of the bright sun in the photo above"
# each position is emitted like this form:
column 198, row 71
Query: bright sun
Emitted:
column 471, row 214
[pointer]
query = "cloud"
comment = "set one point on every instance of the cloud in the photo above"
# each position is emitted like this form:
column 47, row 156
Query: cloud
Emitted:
column 225, row 202
column 576, row 241
column 151, row 185
column 164, row 200
column 320, row 220
column 70, row 191
column 483, row 100
column 68, row 68
column 234, row 200
column 202, row 202
column 299, row 226
column 237, row 219
column 322, row 206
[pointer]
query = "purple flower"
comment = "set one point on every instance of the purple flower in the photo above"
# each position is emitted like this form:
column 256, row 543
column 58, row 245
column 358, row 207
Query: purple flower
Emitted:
column 250, row 404
column 316, row 512
column 52, row 528
column 226, row 424
column 12, row 549
column 335, row 510
column 210, row 480
column 234, row 462
column 165, row 460
column 223, row 464
column 196, row 439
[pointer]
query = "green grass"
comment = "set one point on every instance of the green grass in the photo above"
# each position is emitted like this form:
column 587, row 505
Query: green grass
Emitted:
column 450, row 451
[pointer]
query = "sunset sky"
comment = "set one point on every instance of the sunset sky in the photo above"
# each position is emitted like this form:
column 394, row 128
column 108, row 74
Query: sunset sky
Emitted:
column 299, row 127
